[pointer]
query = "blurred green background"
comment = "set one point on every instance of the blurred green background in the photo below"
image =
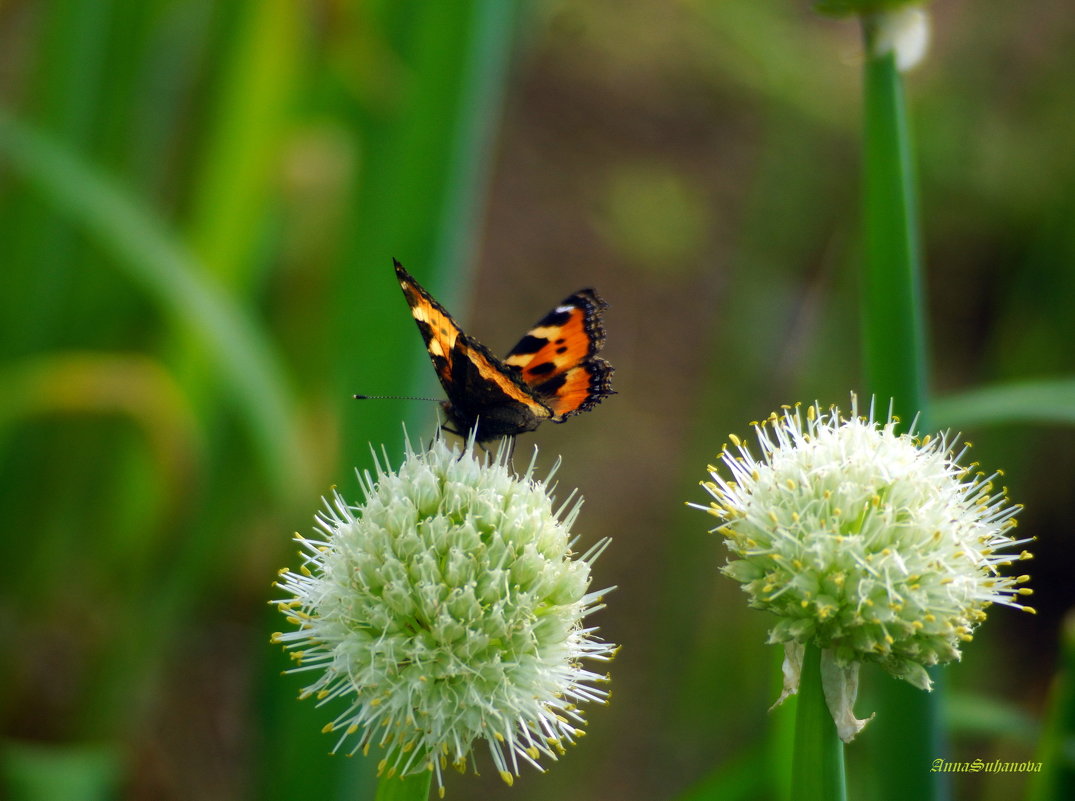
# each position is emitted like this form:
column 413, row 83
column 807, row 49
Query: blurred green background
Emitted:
column 199, row 204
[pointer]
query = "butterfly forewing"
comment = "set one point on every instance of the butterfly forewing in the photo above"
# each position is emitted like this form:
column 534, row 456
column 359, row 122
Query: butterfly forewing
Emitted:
column 437, row 327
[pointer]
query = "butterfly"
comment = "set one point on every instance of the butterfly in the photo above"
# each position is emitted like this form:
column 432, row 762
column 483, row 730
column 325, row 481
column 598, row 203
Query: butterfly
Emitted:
column 552, row 373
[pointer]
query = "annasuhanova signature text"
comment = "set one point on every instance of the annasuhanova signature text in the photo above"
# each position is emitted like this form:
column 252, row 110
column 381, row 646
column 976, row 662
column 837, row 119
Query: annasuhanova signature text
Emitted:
column 981, row 766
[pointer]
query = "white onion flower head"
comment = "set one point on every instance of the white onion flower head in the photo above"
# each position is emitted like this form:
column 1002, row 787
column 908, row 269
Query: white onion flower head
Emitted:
column 875, row 546
column 446, row 609
column 904, row 32
column 900, row 27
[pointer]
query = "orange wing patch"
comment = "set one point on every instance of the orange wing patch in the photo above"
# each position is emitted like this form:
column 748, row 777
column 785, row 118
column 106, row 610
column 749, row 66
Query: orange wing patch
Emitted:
column 577, row 389
column 551, row 349
column 437, row 327
column 558, row 357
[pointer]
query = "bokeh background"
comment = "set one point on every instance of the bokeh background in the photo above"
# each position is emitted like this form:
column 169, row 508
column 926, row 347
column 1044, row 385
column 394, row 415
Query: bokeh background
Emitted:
column 199, row 204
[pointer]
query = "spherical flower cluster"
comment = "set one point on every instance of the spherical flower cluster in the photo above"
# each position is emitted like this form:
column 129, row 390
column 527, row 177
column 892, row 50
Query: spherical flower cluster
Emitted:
column 875, row 546
column 447, row 608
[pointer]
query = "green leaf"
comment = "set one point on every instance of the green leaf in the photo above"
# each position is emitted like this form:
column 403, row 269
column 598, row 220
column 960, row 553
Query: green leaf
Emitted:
column 736, row 779
column 39, row 772
column 1047, row 402
column 1056, row 751
column 147, row 252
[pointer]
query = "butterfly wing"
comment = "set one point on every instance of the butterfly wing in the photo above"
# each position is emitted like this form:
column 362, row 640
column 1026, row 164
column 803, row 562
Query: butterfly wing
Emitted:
column 438, row 329
column 481, row 391
column 558, row 356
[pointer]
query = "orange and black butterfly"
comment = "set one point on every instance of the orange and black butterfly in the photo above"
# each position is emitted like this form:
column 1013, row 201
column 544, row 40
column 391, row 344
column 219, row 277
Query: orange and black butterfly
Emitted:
column 552, row 373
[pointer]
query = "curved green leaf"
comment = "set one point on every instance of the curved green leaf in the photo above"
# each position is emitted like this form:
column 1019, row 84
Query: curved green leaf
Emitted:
column 1046, row 402
column 146, row 251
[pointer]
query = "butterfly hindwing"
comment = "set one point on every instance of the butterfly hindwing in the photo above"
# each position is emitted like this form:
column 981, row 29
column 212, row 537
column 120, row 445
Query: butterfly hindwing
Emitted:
column 578, row 389
column 558, row 356
column 551, row 373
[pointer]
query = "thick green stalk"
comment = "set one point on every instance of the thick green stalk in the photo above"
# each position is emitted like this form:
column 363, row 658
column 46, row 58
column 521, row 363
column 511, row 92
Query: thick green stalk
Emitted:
column 893, row 325
column 906, row 733
column 233, row 192
column 817, row 770
column 232, row 198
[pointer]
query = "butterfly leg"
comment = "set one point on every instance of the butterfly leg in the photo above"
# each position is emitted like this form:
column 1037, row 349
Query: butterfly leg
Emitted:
column 448, row 429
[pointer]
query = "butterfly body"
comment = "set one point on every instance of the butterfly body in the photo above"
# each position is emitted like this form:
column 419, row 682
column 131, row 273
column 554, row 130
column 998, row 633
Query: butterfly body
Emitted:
column 551, row 374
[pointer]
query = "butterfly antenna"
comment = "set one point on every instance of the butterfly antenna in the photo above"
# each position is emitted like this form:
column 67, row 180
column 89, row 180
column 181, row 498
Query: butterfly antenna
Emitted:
column 392, row 397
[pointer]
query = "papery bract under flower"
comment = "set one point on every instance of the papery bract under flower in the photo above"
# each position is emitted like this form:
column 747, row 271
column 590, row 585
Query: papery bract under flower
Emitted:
column 447, row 608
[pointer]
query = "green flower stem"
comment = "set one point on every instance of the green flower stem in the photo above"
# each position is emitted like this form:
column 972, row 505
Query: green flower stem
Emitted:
column 893, row 327
column 414, row 787
column 817, row 771
column 907, row 732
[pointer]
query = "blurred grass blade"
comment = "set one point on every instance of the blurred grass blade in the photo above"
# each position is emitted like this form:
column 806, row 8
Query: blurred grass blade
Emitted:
column 136, row 387
column 148, row 254
column 41, row 772
column 87, row 382
column 978, row 715
column 737, row 779
column 1056, row 751
column 241, row 149
column 426, row 155
column 66, row 86
column 1045, row 402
